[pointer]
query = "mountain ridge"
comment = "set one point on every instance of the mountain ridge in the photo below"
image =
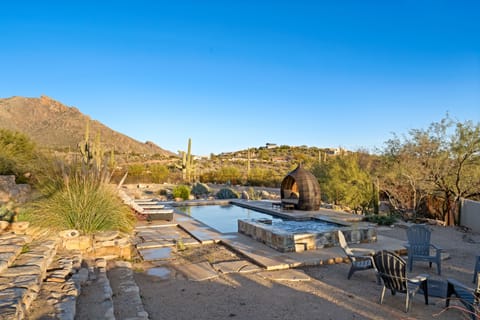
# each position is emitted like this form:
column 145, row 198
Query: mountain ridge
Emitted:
column 51, row 124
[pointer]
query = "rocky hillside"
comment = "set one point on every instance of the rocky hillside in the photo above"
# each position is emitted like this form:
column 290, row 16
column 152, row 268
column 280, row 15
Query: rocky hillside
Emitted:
column 53, row 125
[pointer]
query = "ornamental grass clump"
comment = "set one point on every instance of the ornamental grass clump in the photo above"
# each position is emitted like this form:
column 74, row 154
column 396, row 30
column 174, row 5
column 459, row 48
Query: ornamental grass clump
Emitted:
column 77, row 194
column 84, row 205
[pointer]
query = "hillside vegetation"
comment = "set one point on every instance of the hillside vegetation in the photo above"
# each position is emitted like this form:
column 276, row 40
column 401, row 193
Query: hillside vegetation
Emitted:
column 422, row 174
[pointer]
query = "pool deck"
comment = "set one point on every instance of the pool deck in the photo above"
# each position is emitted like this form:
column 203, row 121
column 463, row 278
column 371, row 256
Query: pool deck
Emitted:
column 265, row 256
column 323, row 214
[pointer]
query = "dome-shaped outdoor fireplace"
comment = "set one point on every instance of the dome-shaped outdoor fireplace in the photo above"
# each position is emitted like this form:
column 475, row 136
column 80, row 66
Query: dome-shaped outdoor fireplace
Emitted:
column 301, row 190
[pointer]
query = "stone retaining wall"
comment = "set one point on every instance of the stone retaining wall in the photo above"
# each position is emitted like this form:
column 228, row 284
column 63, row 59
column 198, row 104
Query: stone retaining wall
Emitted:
column 289, row 242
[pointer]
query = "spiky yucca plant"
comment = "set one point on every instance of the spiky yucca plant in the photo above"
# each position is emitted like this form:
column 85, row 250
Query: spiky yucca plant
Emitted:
column 86, row 205
column 77, row 195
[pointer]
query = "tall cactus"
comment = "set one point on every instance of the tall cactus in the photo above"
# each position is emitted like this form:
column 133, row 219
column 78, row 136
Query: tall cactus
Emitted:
column 184, row 166
column 189, row 160
column 188, row 169
column 248, row 162
column 93, row 155
column 84, row 146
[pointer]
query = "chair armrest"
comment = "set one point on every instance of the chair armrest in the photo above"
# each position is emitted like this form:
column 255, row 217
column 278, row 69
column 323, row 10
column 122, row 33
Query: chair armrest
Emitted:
column 419, row 278
column 436, row 247
column 457, row 284
column 360, row 256
column 362, row 252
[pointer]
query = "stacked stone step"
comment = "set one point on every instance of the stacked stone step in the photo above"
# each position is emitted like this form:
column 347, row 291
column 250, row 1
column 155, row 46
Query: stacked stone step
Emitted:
column 61, row 287
column 126, row 292
column 23, row 267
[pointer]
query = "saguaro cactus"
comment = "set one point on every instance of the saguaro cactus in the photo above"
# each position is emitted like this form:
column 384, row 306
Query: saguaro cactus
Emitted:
column 187, row 163
column 84, row 146
column 248, row 162
column 93, row 155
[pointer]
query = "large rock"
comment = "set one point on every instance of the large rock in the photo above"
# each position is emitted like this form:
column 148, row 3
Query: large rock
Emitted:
column 10, row 191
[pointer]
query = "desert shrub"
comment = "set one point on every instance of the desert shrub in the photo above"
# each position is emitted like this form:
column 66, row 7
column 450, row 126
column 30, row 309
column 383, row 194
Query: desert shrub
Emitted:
column 381, row 220
column 254, row 195
column 181, row 191
column 83, row 204
column 17, row 154
column 77, row 194
column 158, row 173
column 7, row 213
column 229, row 175
column 200, row 189
column 226, row 193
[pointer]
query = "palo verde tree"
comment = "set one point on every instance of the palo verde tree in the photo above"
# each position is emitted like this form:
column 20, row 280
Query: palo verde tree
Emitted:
column 344, row 182
column 401, row 175
column 442, row 160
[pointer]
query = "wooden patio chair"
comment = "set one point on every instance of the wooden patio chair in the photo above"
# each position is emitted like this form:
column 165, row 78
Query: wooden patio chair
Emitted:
column 469, row 297
column 361, row 259
column 392, row 270
column 420, row 248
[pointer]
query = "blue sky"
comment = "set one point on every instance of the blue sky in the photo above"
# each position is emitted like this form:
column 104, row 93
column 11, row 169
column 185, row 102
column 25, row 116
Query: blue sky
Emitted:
column 238, row 74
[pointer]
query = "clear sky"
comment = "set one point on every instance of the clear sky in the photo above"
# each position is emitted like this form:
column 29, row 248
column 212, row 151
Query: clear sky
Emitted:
column 238, row 74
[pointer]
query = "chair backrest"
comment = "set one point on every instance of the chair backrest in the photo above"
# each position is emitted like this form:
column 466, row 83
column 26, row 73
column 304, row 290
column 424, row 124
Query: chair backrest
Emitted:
column 343, row 243
column 477, row 289
column 419, row 240
column 392, row 270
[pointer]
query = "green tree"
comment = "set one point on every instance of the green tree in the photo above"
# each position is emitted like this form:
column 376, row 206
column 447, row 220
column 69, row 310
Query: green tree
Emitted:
column 442, row 160
column 136, row 170
column 402, row 176
column 17, row 154
column 228, row 174
column 159, row 173
column 344, row 182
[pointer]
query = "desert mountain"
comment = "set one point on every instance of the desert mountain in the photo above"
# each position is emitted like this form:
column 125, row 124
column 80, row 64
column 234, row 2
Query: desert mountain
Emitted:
column 53, row 125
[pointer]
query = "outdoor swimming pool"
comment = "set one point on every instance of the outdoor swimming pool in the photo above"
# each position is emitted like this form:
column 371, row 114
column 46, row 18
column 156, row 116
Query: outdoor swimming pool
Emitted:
column 222, row 218
column 225, row 219
column 281, row 234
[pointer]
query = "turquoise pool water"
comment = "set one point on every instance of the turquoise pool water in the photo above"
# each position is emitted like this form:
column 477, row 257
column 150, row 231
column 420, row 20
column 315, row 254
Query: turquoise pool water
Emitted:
column 224, row 219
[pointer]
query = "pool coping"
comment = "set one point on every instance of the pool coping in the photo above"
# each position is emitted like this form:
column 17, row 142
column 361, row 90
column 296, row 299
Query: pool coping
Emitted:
column 261, row 254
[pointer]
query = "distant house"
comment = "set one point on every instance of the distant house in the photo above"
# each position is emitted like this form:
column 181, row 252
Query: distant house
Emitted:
column 335, row 151
column 270, row 145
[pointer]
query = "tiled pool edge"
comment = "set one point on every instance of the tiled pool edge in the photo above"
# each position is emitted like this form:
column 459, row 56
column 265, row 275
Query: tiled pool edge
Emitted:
column 289, row 242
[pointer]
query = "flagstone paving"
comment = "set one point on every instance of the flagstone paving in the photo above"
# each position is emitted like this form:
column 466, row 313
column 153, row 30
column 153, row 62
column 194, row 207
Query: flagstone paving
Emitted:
column 198, row 271
column 239, row 266
column 285, row 275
